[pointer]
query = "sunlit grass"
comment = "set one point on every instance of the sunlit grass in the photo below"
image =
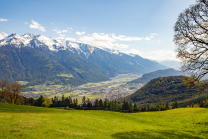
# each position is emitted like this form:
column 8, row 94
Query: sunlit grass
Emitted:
column 65, row 75
column 17, row 122
column 23, row 82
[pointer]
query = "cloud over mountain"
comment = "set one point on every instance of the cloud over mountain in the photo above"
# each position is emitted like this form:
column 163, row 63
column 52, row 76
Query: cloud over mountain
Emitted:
column 38, row 26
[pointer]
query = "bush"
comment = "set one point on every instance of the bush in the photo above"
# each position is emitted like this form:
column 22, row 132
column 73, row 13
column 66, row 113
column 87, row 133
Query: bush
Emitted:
column 44, row 104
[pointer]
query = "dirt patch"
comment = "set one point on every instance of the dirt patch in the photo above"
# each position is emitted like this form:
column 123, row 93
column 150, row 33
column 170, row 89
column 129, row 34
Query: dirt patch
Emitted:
column 14, row 131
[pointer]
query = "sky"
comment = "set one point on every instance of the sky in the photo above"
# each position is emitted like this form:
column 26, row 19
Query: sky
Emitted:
column 143, row 27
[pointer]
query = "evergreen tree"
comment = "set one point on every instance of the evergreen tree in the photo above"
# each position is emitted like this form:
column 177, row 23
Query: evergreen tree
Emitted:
column 67, row 102
column 55, row 101
column 101, row 103
column 84, row 101
column 135, row 107
column 105, row 103
column 123, row 105
column 31, row 101
column 63, row 101
column 89, row 104
column 39, row 101
column 175, row 104
column 76, row 102
column 130, row 106
column 148, row 107
column 167, row 105
column 96, row 103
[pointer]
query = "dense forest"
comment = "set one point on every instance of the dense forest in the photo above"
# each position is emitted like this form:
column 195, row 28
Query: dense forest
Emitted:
column 163, row 89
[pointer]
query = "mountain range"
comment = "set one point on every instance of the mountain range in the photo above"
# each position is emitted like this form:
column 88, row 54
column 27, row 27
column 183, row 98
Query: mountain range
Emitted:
column 155, row 74
column 39, row 59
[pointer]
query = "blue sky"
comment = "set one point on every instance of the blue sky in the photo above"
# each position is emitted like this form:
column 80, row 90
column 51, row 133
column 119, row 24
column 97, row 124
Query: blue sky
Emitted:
column 143, row 27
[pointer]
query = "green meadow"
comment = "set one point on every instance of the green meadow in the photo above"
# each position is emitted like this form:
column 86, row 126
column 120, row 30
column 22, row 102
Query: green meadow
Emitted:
column 17, row 121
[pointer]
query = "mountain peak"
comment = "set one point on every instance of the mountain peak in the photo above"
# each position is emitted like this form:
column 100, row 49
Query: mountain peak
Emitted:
column 28, row 35
column 13, row 35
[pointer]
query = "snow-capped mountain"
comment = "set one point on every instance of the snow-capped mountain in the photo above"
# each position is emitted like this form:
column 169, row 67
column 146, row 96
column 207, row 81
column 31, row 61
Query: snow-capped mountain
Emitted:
column 53, row 44
column 109, row 61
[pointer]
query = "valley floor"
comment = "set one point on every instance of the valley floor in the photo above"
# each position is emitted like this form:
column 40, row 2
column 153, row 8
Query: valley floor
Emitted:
column 112, row 89
column 34, row 122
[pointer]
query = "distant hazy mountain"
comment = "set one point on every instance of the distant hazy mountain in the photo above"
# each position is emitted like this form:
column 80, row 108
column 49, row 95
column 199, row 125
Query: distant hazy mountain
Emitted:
column 171, row 64
column 160, row 90
column 40, row 59
column 159, row 73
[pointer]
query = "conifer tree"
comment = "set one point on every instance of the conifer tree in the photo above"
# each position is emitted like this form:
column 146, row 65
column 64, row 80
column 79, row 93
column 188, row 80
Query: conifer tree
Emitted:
column 96, row 103
column 101, row 103
column 84, row 101
column 105, row 103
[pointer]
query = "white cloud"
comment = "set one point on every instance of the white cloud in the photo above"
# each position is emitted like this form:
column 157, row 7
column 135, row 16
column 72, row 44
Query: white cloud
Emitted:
column 107, row 40
column 3, row 35
column 64, row 30
column 161, row 55
column 36, row 25
column 52, row 23
column 1, row 19
column 147, row 38
column 71, row 39
column 26, row 23
column 134, row 51
column 124, row 38
column 61, row 35
column 103, row 40
column 80, row 33
column 153, row 34
column 70, row 28
column 58, row 31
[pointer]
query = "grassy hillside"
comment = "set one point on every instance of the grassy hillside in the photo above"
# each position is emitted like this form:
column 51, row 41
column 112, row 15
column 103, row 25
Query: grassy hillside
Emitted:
column 55, row 123
column 160, row 90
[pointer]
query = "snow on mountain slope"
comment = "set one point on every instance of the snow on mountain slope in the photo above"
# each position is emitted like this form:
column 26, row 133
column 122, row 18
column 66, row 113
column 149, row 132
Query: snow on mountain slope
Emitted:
column 53, row 44
column 111, row 60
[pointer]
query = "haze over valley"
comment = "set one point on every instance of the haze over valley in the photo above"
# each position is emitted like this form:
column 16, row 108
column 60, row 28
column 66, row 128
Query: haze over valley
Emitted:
column 97, row 69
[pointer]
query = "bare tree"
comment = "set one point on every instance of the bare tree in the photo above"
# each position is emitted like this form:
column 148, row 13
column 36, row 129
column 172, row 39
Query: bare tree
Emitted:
column 3, row 85
column 13, row 92
column 191, row 38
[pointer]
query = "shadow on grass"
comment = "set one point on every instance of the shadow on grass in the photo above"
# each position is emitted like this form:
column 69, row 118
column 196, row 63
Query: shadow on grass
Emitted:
column 152, row 134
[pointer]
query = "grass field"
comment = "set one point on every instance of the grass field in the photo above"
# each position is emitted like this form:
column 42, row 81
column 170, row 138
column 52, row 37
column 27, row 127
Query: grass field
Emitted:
column 34, row 122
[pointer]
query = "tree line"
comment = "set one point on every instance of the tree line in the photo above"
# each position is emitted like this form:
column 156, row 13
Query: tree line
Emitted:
column 126, row 106
column 10, row 93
